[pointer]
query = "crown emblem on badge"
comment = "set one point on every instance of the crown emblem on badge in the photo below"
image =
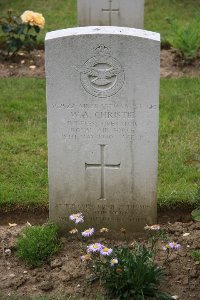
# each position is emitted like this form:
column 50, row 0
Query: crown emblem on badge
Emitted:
column 102, row 50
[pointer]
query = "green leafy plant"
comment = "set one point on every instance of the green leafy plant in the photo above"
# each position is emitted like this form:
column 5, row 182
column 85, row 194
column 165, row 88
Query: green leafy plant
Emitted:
column 21, row 31
column 127, row 271
column 185, row 39
column 38, row 244
column 196, row 255
column 134, row 276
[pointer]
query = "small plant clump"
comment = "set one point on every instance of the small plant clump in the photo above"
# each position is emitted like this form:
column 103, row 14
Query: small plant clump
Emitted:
column 21, row 31
column 196, row 214
column 127, row 271
column 185, row 39
column 196, row 255
column 38, row 244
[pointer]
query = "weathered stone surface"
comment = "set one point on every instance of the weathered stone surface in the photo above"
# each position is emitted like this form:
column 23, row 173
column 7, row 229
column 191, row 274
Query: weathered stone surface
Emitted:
column 127, row 13
column 102, row 103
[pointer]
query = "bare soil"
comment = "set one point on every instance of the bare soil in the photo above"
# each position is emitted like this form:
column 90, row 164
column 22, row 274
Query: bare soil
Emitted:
column 32, row 65
column 23, row 64
column 66, row 274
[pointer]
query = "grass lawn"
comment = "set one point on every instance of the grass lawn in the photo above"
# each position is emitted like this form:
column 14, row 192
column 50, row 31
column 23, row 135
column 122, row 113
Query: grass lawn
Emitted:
column 179, row 141
column 62, row 13
column 156, row 12
column 23, row 161
column 23, row 151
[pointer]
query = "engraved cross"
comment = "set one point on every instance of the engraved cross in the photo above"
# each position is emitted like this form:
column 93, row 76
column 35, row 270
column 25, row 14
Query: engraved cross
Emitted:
column 110, row 10
column 102, row 165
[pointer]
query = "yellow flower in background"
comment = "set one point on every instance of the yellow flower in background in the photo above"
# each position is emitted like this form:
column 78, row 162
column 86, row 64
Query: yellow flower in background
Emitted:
column 104, row 229
column 119, row 270
column 86, row 257
column 152, row 227
column 73, row 231
column 32, row 18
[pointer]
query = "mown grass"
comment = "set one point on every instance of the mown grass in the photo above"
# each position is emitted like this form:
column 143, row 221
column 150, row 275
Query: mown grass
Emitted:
column 23, row 152
column 23, row 161
column 156, row 12
column 62, row 13
column 179, row 141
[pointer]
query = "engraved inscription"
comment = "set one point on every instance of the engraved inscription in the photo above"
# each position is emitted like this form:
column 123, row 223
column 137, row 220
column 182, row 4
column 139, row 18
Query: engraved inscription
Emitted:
column 102, row 165
column 104, row 121
column 102, row 75
column 110, row 10
column 112, row 209
column 131, row 213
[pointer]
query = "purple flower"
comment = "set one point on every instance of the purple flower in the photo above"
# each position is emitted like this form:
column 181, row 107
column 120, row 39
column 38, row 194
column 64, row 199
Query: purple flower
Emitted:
column 177, row 246
column 171, row 245
column 88, row 232
column 74, row 216
column 106, row 251
column 94, row 247
column 174, row 245
column 77, row 218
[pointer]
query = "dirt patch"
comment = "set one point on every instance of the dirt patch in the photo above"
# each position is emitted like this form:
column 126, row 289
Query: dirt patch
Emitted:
column 173, row 66
column 20, row 217
column 37, row 215
column 66, row 274
column 23, row 64
column 32, row 65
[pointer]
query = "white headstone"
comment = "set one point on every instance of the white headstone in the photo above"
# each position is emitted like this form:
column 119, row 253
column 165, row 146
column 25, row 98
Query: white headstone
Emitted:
column 127, row 13
column 103, row 103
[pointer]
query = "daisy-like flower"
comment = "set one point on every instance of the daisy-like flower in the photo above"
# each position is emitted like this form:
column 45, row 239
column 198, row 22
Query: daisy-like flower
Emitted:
column 73, row 231
column 155, row 227
column 77, row 218
column 171, row 245
column 174, row 245
column 113, row 261
column 152, row 227
column 106, row 251
column 165, row 248
column 104, row 229
column 177, row 246
column 73, row 217
column 86, row 257
column 94, row 248
column 88, row 232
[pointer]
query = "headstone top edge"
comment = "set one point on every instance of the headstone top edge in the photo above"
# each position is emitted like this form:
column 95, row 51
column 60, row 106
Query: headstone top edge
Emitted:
column 97, row 30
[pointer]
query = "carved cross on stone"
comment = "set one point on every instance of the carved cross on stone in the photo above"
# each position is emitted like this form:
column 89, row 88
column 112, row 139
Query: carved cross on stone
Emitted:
column 110, row 10
column 102, row 165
